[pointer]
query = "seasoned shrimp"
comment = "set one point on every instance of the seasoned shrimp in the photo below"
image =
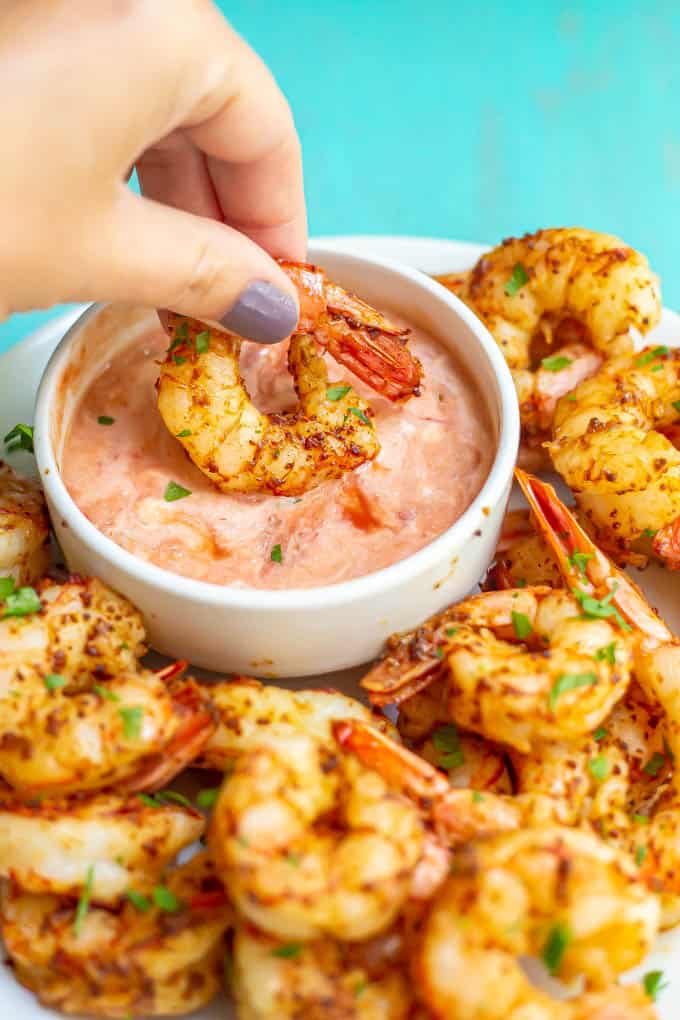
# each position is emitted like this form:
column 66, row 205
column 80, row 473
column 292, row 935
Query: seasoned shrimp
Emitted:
column 24, row 528
column 557, row 302
column 520, row 667
column 356, row 335
column 610, row 448
column 204, row 403
column 140, row 960
column 107, row 843
column 135, row 730
column 250, row 713
column 556, row 892
column 321, row 980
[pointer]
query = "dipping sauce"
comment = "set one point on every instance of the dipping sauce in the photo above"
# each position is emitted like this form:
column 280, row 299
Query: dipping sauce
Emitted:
column 119, row 457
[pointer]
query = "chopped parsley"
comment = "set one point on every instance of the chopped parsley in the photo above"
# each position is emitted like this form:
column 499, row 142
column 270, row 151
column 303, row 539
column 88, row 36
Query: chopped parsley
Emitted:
column 276, row 554
column 84, row 901
column 477, row 797
column 104, row 419
column 165, row 899
column 447, row 742
column 655, row 764
column 174, row 491
column 21, row 602
column 139, row 901
column 337, row 392
column 207, row 798
column 105, row 693
column 578, row 560
column 360, row 987
column 451, row 631
column 288, row 951
column 607, row 653
column 181, row 333
column 178, row 359
column 439, row 652
column 53, row 681
column 7, row 586
column 649, row 533
column 570, row 682
column 174, row 797
column 676, row 405
column 647, row 356
column 521, row 625
column 601, row 609
column 599, row 767
column 653, row 983
column 358, row 413
column 555, row 947
column 641, row 819
column 20, row 438
column 556, row 363
column 184, row 433
column 600, row 733
column 132, row 721
column 203, row 342
column 640, row 855
column 519, row 279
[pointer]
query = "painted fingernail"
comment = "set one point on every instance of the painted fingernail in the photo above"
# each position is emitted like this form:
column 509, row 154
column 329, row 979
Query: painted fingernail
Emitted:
column 262, row 313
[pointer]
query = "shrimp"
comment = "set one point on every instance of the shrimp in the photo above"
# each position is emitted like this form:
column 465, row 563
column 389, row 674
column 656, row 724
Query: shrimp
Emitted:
column 557, row 302
column 24, row 528
column 134, row 730
column 356, row 335
column 204, row 403
column 141, row 959
column 311, row 844
column 556, row 892
column 250, row 713
column 609, row 446
column 321, row 980
column 107, row 844
column 519, row 666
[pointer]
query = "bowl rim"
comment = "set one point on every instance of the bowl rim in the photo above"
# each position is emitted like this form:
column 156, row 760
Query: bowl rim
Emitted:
column 287, row 599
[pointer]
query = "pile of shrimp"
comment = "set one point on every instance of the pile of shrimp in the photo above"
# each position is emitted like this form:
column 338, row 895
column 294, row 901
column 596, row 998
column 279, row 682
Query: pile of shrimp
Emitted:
column 319, row 861
column 560, row 303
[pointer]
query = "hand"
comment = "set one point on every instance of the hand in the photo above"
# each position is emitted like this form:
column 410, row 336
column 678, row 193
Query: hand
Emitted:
column 91, row 89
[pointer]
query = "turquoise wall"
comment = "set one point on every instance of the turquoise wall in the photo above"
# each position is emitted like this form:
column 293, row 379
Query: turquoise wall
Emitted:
column 477, row 121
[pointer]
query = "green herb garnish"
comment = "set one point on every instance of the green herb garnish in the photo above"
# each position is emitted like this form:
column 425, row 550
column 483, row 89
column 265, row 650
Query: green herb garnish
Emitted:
column 7, row 586
column 132, row 721
column 599, row 767
column 105, row 693
column 207, row 798
column 20, row 438
column 84, row 901
column 22, row 602
column 653, row 983
column 647, row 356
column 640, row 855
column 288, row 951
column 578, row 560
column 447, row 742
column 184, row 433
column 477, row 797
column 556, row 363
column 676, row 405
column 337, row 392
column 53, row 681
column 521, row 625
column 358, row 413
column 519, row 278
column 202, row 342
column 174, row 491
column 276, row 555
column 655, row 764
column 600, row 733
column 601, row 609
column 104, row 419
column 570, row 682
column 165, row 899
column 555, row 947
column 607, row 653
column 139, row 901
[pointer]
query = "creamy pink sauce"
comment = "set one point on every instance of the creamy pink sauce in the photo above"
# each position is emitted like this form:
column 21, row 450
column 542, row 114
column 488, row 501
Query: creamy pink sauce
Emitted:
column 436, row 452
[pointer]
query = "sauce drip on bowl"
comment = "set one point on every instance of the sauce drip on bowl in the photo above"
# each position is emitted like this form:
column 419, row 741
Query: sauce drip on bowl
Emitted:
column 437, row 450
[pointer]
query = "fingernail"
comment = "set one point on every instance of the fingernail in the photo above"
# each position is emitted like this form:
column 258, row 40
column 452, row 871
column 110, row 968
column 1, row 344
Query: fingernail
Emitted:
column 262, row 313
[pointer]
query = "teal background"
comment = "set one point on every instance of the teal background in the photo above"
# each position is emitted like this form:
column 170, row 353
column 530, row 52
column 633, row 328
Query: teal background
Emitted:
column 478, row 121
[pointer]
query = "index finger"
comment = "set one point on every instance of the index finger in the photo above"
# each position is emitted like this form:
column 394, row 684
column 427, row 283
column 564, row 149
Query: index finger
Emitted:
column 253, row 154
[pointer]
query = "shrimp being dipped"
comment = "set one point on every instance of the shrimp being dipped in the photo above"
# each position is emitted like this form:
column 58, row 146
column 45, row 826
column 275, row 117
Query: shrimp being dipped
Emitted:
column 558, row 302
column 107, row 843
column 609, row 445
column 204, row 403
column 557, row 893
column 159, row 954
column 24, row 528
column 506, row 658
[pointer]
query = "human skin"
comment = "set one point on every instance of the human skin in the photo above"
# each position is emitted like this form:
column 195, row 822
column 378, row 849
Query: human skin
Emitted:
column 90, row 90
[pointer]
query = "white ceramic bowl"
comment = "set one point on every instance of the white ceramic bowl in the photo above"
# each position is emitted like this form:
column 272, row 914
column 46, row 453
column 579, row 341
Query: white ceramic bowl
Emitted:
column 297, row 632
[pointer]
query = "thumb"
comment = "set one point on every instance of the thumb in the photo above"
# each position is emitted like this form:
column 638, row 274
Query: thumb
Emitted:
column 166, row 258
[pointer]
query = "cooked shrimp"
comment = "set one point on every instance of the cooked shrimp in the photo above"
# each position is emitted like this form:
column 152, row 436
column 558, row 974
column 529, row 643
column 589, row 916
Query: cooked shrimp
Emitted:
column 204, row 403
column 250, row 713
column 356, row 335
column 309, row 843
column 609, row 447
column 520, row 667
column 140, row 960
column 107, row 843
column 134, row 730
column 321, row 980
column 24, row 528
column 522, row 557
column 556, row 892
column 557, row 302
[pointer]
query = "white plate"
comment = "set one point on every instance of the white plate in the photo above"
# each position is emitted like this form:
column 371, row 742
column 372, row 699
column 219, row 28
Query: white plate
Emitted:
column 20, row 372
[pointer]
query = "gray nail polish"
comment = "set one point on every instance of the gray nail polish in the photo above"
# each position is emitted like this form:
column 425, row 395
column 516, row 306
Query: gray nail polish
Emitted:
column 262, row 313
